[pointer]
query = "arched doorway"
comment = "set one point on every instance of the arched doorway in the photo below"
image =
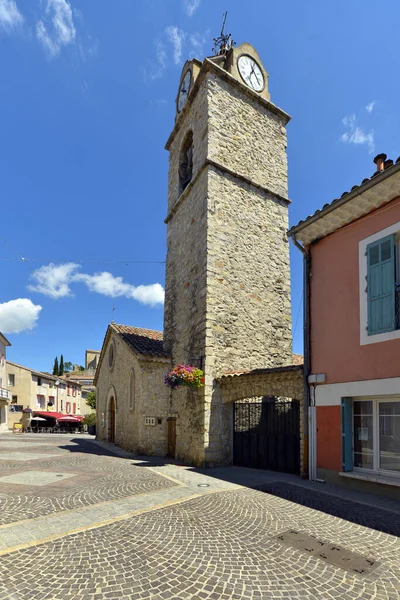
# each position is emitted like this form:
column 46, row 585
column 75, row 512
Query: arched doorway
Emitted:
column 111, row 421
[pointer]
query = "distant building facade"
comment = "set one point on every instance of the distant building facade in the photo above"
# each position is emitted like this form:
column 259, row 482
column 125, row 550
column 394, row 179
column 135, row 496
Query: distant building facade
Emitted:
column 41, row 392
column 92, row 359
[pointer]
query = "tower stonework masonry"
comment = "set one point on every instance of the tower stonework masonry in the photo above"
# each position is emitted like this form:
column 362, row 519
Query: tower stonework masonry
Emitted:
column 227, row 305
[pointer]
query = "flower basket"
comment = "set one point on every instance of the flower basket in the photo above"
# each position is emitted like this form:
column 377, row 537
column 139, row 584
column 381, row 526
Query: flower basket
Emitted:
column 184, row 375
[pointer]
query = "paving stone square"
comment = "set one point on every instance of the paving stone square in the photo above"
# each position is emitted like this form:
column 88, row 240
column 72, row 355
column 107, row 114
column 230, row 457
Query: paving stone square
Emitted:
column 119, row 527
column 23, row 456
column 28, row 445
column 35, row 478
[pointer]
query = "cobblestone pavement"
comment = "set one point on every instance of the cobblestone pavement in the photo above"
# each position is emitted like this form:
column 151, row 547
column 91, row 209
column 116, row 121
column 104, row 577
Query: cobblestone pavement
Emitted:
column 99, row 476
column 187, row 542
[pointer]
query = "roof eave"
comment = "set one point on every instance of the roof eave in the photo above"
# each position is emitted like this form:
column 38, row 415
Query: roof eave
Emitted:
column 345, row 199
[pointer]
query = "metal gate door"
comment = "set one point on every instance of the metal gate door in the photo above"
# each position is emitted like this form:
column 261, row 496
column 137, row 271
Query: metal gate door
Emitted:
column 267, row 435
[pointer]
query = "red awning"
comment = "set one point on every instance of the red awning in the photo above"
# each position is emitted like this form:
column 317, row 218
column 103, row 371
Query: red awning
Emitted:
column 54, row 415
column 45, row 413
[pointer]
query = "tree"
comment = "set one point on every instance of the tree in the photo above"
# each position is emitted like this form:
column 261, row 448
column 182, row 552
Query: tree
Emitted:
column 91, row 399
column 68, row 367
column 81, row 368
column 55, row 367
column 61, row 369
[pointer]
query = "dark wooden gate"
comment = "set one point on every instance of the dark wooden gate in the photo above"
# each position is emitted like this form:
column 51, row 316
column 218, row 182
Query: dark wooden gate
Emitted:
column 267, row 435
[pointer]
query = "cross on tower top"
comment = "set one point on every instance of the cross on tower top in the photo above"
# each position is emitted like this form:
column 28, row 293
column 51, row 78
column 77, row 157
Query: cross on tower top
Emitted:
column 224, row 42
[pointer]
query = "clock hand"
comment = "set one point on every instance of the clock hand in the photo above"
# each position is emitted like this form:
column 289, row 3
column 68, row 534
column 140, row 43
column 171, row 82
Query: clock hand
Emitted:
column 255, row 74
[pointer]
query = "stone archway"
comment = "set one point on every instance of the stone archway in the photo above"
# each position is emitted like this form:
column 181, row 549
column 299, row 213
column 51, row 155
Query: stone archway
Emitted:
column 249, row 394
column 111, row 421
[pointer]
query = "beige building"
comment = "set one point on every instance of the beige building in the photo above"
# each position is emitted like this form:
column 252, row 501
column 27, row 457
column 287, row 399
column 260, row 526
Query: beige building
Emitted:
column 41, row 392
column 82, row 381
column 4, row 393
column 227, row 297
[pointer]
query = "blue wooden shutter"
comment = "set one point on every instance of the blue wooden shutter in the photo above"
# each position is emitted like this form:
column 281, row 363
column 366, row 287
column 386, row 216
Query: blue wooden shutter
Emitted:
column 347, row 434
column 381, row 285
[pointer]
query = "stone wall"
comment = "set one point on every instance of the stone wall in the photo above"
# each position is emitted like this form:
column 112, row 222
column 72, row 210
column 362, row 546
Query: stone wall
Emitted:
column 151, row 400
column 194, row 118
column 185, row 290
column 248, row 291
column 245, row 136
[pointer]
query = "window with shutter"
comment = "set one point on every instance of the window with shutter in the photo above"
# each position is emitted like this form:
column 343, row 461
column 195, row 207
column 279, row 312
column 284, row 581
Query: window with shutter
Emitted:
column 381, row 285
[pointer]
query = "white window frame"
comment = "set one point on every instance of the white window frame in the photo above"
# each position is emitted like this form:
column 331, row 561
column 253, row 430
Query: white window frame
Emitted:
column 366, row 339
column 375, row 425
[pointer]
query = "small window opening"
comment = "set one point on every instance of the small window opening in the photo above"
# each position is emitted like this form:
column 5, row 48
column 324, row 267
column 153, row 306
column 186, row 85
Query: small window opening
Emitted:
column 186, row 162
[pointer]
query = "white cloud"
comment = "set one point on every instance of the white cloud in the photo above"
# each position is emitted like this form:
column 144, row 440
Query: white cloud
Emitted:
column 191, row 6
column 176, row 36
column 18, row 315
column 10, row 17
column 157, row 69
column 55, row 281
column 149, row 294
column 356, row 134
column 57, row 29
column 197, row 41
column 370, row 107
column 106, row 284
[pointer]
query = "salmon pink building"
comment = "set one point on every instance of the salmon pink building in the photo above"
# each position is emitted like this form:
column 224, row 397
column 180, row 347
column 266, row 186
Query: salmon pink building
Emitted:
column 351, row 254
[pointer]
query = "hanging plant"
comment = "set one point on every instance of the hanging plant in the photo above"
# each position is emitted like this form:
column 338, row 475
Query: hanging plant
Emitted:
column 184, row 375
column 27, row 410
column 50, row 403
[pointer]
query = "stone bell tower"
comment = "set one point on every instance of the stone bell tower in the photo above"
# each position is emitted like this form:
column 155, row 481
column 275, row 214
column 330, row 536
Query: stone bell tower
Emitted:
column 227, row 305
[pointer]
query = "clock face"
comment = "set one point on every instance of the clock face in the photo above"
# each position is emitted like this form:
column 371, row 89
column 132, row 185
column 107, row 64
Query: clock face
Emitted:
column 251, row 72
column 184, row 90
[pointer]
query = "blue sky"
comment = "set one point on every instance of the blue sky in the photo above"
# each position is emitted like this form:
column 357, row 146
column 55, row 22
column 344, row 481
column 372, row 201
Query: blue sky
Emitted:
column 86, row 106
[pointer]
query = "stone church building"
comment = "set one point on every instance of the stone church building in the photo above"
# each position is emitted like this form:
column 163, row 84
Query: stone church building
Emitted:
column 227, row 300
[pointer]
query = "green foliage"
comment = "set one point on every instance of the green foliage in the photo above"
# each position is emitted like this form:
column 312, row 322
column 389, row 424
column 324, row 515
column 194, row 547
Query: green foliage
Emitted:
column 61, row 369
column 81, row 368
column 89, row 419
column 55, row 367
column 68, row 367
column 91, row 399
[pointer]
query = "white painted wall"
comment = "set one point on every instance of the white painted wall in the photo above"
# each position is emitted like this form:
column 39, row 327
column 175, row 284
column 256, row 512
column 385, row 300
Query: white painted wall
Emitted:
column 331, row 394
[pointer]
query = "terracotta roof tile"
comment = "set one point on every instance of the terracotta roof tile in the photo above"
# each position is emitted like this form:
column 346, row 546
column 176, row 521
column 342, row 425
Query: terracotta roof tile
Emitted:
column 145, row 341
column 297, row 359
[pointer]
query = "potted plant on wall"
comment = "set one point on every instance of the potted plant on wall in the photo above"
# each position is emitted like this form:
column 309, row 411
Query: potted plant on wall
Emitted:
column 184, row 375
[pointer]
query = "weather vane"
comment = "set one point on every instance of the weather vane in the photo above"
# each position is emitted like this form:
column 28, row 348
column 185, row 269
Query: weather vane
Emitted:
column 224, row 42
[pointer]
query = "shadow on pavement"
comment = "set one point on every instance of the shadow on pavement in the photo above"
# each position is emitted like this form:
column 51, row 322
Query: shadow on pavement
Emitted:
column 334, row 504
column 355, row 512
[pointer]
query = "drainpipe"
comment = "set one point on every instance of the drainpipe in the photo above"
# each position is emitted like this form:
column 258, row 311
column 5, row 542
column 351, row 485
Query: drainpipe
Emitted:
column 309, row 411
